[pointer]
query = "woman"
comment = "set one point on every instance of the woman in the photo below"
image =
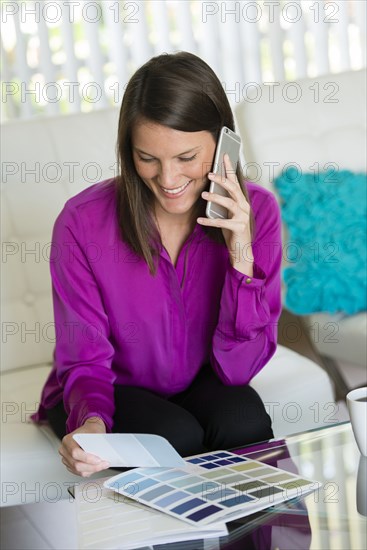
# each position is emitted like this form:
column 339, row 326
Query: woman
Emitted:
column 162, row 315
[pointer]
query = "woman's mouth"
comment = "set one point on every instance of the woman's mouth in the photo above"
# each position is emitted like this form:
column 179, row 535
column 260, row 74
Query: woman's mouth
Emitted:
column 178, row 191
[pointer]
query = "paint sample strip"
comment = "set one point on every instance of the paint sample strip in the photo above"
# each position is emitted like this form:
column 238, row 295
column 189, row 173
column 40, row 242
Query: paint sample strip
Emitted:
column 170, row 474
column 246, row 466
column 217, row 474
column 220, row 494
column 158, row 491
column 277, row 478
column 204, row 513
column 236, row 500
column 249, row 486
column 231, row 479
column 296, row 483
column 266, row 493
column 186, row 481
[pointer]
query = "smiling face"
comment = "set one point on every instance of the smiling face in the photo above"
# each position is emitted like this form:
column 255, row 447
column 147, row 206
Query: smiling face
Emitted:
column 174, row 165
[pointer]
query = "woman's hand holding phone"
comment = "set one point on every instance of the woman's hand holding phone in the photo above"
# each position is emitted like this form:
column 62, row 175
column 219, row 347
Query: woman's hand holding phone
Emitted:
column 74, row 458
column 236, row 229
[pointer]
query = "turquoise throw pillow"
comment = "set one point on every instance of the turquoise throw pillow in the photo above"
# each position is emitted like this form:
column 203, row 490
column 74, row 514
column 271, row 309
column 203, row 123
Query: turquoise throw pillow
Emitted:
column 325, row 215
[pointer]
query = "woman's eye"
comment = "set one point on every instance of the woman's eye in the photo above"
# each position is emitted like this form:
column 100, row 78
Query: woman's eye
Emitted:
column 187, row 159
column 183, row 159
column 145, row 159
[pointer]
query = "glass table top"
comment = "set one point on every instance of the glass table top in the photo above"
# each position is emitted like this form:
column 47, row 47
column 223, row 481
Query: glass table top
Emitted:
column 332, row 517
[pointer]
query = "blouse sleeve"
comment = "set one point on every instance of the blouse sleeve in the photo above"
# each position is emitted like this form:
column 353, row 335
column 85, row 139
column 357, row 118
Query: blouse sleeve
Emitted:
column 245, row 337
column 83, row 353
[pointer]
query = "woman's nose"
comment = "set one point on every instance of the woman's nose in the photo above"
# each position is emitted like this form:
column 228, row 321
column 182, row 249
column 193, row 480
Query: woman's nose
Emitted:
column 168, row 176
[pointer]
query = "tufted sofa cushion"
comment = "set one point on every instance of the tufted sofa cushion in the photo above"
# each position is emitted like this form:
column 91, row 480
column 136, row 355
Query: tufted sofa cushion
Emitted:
column 75, row 152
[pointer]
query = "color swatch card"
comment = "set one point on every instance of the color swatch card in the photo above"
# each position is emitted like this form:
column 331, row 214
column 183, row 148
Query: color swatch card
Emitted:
column 219, row 486
column 126, row 450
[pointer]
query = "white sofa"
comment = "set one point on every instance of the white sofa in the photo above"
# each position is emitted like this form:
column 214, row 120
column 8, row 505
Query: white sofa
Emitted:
column 66, row 154
column 315, row 120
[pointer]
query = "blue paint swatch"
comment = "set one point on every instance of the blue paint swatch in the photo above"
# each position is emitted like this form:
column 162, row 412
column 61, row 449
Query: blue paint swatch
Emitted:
column 171, row 474
column 157, row 492
column 209, row 466
column 209, row 457
column 235, row 501
column 171, row 499
column 193, row 503
column 196, row 460
column 204, row 513
column 126, row 478
column 195, row 489
column 223, row 455
column 204, row 487
column 152, row 471
column 237, row 459
column 220, row 494
column 184, row 482
column 223, row 462
column 144, row 484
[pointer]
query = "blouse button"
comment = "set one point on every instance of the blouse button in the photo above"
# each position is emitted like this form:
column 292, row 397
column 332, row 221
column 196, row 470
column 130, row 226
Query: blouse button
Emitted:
column 248, row 280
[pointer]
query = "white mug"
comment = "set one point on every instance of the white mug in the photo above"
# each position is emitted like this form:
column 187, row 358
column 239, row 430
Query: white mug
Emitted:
column 357, row 407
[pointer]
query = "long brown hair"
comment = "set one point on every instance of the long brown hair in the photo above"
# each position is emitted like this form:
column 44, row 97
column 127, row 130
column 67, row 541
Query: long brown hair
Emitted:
column 179, row 91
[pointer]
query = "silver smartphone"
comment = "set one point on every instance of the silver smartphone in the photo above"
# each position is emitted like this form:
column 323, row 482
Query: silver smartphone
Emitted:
column 229, row 142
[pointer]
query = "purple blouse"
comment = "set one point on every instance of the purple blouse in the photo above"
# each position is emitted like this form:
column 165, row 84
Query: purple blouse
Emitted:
column 117, row 324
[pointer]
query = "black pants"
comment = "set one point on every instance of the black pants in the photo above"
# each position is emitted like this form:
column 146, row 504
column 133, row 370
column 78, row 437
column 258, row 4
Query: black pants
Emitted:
column 205, row 417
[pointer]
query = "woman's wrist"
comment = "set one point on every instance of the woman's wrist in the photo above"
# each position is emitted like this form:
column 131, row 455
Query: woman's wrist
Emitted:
column 243, row 259
column 246, row 268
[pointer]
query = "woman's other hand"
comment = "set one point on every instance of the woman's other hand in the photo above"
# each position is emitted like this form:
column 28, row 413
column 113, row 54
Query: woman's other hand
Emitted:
column 75, row 459
column 236, row 229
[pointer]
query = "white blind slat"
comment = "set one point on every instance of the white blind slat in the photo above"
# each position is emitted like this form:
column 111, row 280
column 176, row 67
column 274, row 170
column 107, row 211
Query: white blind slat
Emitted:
column 231, row 56
column 296, row 34
column 159, row 15
column 361, row 21
column 140, row 48
column 320, row 29
column 8, row 89
column 71, row 65
column 49, row 92
column 207, row 34
column 24, row 71
column 95, row 60
column 250, row 40
column 117, row 49
column 184, row 24
column 276, row 42
column 341, row 32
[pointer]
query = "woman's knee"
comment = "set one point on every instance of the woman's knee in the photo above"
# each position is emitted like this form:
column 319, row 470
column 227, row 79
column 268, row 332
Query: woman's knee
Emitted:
column 185, row 434
column 239, row 419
